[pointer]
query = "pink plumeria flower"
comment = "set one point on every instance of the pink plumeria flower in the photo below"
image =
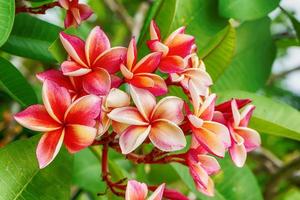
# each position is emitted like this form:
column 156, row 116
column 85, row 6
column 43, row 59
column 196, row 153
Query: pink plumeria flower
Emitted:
column 213, row 136
column 94, row 61
column 140, row 74
column 61, row 121
column 201, row 166
column 243, row 139
column 174, row 48
column 76, row 12
column 193, row 71
column 116, row 98
column 139, row 191
column 159, row 121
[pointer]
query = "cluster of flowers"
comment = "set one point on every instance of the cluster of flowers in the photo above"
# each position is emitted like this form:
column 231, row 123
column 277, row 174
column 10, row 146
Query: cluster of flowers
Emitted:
column 83, row 100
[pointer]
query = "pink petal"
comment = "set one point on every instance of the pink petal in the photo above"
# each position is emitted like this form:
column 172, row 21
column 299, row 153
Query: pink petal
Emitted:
column 57, row 77
column 127, row 115
column 148, row 64
column 159, row 86
column 157, row 46
column 143, row 100
column 154, row 31
column 171, row 37
column 97, row 82
column 111, row 59
column 49, row 146
column 76, row 14
column 195, row 97
column 96, row 43
column 104, row 125
column 117, row 98
column 238, row 154
column 71, row 68
column 64, row 4
column 225, row 107
column 141, row 81
column 209, row 189
column 199, row 175
column 246, row 115
column 78, row 137
column 181, row 45
column 169, row 108
column 75, row 47
column 119, row 127
column 133, row 137
column 85, row 11
column 209, row 163
column 195, row 121
column 131, row 54
column 158, row 193
column 56, row 100
column 235, row 113
column 167, row 136
column 136, row 190
column 83, row 111
column 69, row 20
column 171, row 64
column 125, row 72
column 220, row 130
column 210, row 141
column 207, row 108
column 116, row 81
column 250, row 136
column 36, row 118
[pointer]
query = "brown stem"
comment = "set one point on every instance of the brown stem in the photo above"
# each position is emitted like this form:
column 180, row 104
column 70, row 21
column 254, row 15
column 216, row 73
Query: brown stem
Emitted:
column 37, row 10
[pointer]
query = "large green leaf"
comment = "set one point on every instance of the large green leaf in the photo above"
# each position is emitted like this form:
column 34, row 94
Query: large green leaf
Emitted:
column 217, row 55
column 199, row 16
column 251, row 65
column 13, row 82
column 21, row 178
column 270, row 116
column 295, row 22
column 7, row 15
column 31, row 38
column 246, row 10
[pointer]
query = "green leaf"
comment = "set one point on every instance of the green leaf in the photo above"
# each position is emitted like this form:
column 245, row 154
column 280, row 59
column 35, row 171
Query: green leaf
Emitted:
column 217, row 55
column 251, row 65
column 7, row 15
column 270, row 116
column 31, row 38
column 246, row 10
column 295, row 22
column 87, row 172
column 199, row 16
column 13, row 82
column 21, row 178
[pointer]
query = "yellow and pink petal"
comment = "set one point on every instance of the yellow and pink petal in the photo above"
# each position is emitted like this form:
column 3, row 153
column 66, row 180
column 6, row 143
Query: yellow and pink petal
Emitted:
column 136, row 190
column 97, row 82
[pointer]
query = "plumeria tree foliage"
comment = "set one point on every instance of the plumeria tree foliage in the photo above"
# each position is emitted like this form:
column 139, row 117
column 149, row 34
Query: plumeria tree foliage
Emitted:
column 160, row 115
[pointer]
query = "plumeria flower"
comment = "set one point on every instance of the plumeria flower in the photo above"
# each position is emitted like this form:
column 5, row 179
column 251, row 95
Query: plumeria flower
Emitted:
column 194, row 71
column 159, row 121
column 174, row 48
column 76, row 12
column 213, row 136
column 140, row 74
column 139, row 191
column 116, row 98
column 201, row 166
column 94, row 61
column 61, row 121
column 243, row 139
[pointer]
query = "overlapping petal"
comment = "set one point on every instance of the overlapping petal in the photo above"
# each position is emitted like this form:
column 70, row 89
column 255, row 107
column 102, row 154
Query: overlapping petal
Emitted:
column 97, row 82
column 136, row 190
column 127, row 115
column 71, row 68
column 158, row 193
column 148, row 64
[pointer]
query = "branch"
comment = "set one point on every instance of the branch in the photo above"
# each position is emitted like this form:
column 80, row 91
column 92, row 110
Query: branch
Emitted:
column 281, row 75
column 37, row 10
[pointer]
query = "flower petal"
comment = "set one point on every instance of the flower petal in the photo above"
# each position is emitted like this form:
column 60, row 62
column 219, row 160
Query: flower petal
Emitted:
column 133, row 137
column 171, row 64
column 36, row 118
column 159, row 87
column 209, row 189
column 181, row 45
column 83, row 111
column 169, row 108
column 141, row 81
column 238, row 154
column 220, row 130
column 251, row 137
column 119, row 127
column 210, row 141
column 154, row 31
column 167, row 136
column 64, row 4
column 235, row 113
column 144, row 100
column 157, row 46
column 56, row 100
column 209, row 163
column 199, row 175
column 49, row 146
column 85, row 11
column 148, row 64
column 111, row 59
column 96, row 43
column 116, row 81
column 78, row 137
column 158, row 193
column 131, row 54
column 69, row 20
column 97, row 82
column 117, row 98
column 207, row 108
column 136, row 190
column 246, row 115
column 127, row 115
column 71, row 68
column 74, row 46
